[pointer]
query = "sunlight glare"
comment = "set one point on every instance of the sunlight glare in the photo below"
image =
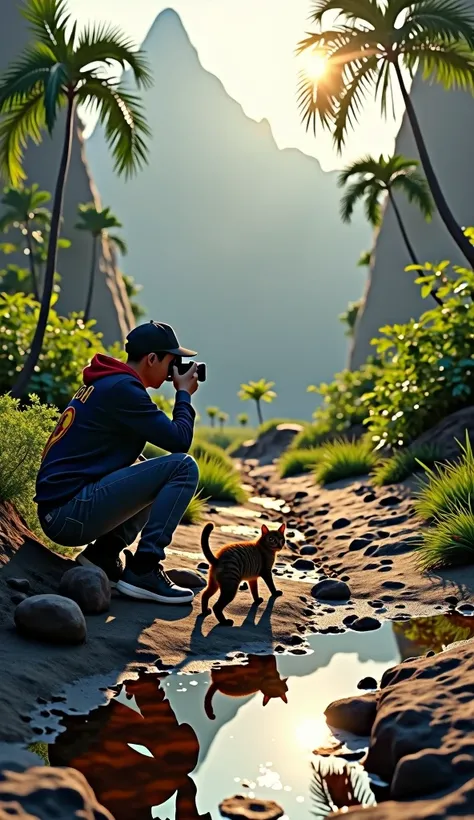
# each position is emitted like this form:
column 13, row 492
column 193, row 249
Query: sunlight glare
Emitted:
column 315, row 64
column 313, row 733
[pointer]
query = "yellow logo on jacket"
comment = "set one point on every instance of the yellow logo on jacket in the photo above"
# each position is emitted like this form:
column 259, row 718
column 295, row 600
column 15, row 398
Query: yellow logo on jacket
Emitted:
column 64, row 424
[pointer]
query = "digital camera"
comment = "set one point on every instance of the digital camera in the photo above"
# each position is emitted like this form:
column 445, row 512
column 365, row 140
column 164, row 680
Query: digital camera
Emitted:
column 183, row 368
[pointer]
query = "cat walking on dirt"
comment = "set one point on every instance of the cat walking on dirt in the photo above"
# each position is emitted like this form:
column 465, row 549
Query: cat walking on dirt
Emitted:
column 237, row 562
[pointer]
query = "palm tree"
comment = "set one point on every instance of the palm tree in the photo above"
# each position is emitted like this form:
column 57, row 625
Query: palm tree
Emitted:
column 61, row 69
column 223, row 417
column 243, row 419
column 212, row 412
column 377, row 179
column 133, row 289
column 24, row 208
column 98, row 223
column 258, row 391
column 371, row 44
column 365, row 259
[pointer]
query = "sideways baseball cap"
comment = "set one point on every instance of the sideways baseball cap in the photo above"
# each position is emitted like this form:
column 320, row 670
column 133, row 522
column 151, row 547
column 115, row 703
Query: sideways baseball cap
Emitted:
column 155, row 337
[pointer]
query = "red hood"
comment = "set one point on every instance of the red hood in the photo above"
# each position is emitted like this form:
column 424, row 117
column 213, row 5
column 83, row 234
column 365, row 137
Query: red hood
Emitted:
column 102, row 365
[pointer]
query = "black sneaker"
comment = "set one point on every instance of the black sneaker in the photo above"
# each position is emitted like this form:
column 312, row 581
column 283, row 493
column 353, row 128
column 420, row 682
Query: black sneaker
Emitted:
column 110, row 563
column 153, row 586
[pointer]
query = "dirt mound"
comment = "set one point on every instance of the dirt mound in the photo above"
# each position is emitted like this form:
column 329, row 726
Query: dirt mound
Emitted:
column 445, row 433
column 270, row 445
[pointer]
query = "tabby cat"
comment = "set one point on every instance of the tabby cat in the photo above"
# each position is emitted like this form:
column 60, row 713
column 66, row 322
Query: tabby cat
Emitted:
column 259, row 674
column 238, row 561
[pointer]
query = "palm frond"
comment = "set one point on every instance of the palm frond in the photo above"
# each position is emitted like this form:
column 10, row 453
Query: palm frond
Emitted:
column 101, row 43
column 337, row 784
column 119, row 243
column 415, row 187
column 352, row 10
column 448, row 20
column 373, row 207
column 364, row 165
column 48, row 19
column 23, row 121
column 121, row 114
column 446, row 63
column 353, row 195
column 352, row 98
column 25, row 74
column 54, row 96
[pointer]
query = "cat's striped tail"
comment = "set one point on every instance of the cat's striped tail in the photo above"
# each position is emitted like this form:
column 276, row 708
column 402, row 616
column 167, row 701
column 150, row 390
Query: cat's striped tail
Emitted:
column 205, row 544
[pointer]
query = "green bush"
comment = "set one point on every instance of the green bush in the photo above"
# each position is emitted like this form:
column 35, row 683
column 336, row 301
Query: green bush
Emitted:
column 344, row 401
column 344, row 459
column 23, row 436
column 295, row 462
column 404, row 463
column 67, row 349
column 218, row 481
column 449, row 485
column 201, row 447
column 450, row 542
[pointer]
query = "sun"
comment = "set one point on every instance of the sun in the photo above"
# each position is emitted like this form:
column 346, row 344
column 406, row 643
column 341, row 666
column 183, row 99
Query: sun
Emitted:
column 315, row 64
column 312, row 733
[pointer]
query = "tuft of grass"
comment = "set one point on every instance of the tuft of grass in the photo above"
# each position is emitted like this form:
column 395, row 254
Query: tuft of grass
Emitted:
column 229, row 437
column 23, row 436
column 195, row 511
column 313, row 435
column 295, row 462
column 201, row 448
column 448, row 486
column 345, row 459
column 218, row 481
column 450, row 542
column 404, row 463
column 40, row 749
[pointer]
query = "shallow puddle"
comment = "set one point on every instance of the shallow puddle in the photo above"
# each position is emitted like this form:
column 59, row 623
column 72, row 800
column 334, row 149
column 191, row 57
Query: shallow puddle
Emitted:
column 270, row 503
column 173, row 746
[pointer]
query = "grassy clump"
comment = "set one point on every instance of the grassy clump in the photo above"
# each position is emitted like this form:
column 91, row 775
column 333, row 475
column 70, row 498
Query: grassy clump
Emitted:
column 448, row 486
column 23, row 436
column 195, row 510
column 228, row 437
column 403, row 464
column 201, row 448
column 345, row 459
column 218, row 481
column 312, row 435
column 295, row 462
column 40, row 749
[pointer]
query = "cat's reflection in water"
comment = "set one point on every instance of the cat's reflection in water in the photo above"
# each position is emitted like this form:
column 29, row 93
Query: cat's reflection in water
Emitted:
column 126, row 782
column 259, row 674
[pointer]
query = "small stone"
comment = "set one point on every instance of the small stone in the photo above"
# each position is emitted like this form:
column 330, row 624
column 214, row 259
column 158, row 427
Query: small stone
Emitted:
column 452, row 600
column 465, row 609
column 203, row 566
column 51, row 618
column 18, row 597
column 300, row 494
column 87, row 586
column 375, row 604
column 250, row 808
column 358, row 544
column 303, row 564
column 331, row 590
column 21, row 584
column 296, row 640
column 244, row 586
column 349, row 619
column 367, row 683
column 369, row 497
column 308, row 550
column 390, row 501
column 366, row 624
column 393, row 585
column 311, row 532
column 356, row 715
column 340, row 523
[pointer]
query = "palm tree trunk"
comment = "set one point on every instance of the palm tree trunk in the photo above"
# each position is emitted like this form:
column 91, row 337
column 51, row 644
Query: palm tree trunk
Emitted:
column 407, row 242
column 90, row 291
column 20, row 387
column 444, row 210
column 259, row 411
column 31, row 260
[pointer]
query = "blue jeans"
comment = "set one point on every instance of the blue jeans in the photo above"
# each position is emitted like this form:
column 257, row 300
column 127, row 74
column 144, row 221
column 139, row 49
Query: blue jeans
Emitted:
column 151, row 495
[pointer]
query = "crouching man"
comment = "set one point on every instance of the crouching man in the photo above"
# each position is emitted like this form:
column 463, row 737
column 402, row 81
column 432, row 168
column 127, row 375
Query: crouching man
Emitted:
column 89, row 488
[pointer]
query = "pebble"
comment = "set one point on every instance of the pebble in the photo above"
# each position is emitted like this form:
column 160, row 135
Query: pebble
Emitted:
column 340, row 523
column 89, row 587
column 250, row 808
column 308, row 550
column 367, row 683
column 21, row 584
column 369, row 497
column 51, row 618
column 390, row 501
column 358, row 544
column 365, row 624
column 452, row 600
column 18, row 597
column 331, row 590
column 303, row 564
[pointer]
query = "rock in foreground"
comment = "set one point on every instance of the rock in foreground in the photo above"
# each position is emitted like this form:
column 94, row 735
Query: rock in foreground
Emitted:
column 356, row 715
column 51, row 618
column 329, row 590
column 186, row 578
column 246, row 808
column 89, row 587
column 44, row 792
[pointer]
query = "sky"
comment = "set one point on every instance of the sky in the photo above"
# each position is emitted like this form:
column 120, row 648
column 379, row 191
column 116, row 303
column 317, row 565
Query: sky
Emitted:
column 249, row 45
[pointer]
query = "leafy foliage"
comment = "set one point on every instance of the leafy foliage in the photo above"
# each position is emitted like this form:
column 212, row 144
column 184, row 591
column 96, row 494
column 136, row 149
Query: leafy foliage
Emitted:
column 243, row 419
column 67, row 349
column 404, row 463
column 295, row 462
column 218, row 481
column 223, row 418
column 337, row 784
column 344, row 459
column 23, row 435
column 201, row 448
column 343, row 399
column 98, row 222
column 311, row 436
column 258, row 391
column 349, row 317
column 133, row 289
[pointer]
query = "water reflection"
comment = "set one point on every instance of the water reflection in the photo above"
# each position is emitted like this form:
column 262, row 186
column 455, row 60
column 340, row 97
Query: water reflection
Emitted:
column 173, row 746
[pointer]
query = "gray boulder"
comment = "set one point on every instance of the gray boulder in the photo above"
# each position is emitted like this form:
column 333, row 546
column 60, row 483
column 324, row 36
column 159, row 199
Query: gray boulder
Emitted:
column 51, row 618
column 89, row 587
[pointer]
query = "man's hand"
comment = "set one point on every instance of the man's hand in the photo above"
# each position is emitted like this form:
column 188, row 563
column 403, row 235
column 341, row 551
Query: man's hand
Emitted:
column 188, row 381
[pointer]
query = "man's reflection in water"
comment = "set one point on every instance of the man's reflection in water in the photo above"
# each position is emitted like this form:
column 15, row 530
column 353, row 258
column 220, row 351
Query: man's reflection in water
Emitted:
column 125, row 781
